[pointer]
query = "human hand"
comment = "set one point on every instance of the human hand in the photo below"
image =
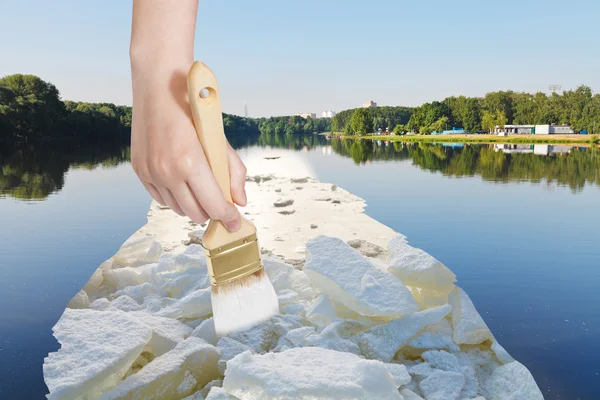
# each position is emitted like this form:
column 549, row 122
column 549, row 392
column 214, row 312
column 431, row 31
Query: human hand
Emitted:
column 168, row 157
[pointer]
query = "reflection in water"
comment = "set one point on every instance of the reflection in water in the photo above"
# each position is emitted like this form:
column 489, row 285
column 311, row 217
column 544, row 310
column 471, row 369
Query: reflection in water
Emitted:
column 33, row 172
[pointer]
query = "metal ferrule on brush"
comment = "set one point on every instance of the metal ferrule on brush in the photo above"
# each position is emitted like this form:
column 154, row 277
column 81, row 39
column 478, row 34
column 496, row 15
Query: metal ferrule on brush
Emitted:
column 233, row 261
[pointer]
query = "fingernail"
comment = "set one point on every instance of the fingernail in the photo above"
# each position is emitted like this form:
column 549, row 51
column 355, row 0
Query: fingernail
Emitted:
column 234, row 225
column 244, row 196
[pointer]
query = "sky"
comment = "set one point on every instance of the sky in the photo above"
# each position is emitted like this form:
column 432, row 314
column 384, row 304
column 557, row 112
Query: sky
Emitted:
column 285, row 57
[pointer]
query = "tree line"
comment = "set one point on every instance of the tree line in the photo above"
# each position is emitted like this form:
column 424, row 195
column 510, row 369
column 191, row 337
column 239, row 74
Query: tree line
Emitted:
column 579, row 108
column 367, row 120
column 31, row 109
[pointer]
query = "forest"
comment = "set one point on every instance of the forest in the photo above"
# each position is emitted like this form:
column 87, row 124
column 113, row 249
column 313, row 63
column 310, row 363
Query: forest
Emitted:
column 579, row 108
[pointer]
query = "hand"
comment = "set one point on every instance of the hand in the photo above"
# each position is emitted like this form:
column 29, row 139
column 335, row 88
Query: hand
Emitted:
column 168, row 157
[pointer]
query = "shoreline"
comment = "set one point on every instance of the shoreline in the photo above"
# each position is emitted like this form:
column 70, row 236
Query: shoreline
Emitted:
column 578, row 140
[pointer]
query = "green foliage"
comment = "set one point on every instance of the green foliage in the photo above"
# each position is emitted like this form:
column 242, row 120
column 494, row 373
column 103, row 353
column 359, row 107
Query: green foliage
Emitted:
column 427, row 115
column 294, row 125
column 29, row 107
column 439, row 125
column 361, row 122
column 399, row 129
column 491, row 119
column 383, row 117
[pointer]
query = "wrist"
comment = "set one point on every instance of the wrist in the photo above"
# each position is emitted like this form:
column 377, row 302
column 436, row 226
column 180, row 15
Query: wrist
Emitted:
column 144, row 58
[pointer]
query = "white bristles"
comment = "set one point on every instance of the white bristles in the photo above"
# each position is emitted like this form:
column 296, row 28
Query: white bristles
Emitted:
column 243, row 303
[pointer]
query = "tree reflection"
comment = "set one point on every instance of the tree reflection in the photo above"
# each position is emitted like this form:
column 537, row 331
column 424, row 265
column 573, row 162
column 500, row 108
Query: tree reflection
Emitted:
column 32, row 171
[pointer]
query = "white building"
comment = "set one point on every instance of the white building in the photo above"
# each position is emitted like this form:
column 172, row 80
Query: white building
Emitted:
column 515, row 130
column 369, row 103
column 533, row 130
column 328, row 114
column 553, row 130
column 306, row 115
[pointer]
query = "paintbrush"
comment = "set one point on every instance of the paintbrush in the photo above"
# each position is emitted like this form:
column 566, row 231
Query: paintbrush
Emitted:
column 242, row 294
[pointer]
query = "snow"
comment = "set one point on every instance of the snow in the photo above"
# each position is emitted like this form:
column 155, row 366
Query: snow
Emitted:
column 399, row 373
column 138, row 251
column 229, row 348
column 512, row 381
column 279, row 273
column 218, row 383
column 138, row 292
column 433, row 340
column 166, row 333
column 383, row 341
column 206, row 331
column 441, row 360
column 217, row 393
column 410, row 395
column 97, row 349
column 124, row 303
column 442, row 385
column 260, row 338
column 166, row 375
column 348, row 326
column 322, row 311
column 501, row 353
column 414, row 267
column 347, row 277
column 469, row 327
column 308, row 373
column 80, row 300
column 196, row 304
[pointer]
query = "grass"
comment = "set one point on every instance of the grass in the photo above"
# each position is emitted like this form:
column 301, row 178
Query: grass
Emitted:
column 549, row 139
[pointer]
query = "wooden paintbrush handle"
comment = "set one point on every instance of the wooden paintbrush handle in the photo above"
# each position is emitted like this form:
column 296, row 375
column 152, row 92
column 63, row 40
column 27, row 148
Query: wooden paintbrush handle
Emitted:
column 205, row 102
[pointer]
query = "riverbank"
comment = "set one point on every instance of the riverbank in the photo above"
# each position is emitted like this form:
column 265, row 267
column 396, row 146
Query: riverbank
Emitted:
column 340, row 278
column 546, row 139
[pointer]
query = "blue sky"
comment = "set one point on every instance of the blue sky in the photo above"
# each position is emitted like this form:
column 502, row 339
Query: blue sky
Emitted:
column 286, row 57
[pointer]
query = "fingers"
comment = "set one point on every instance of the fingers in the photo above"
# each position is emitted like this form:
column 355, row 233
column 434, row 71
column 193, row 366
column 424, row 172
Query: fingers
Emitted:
column 188, row 203
column 208, row 193
column 170, row 200
column 237, row 176
column 154, row 193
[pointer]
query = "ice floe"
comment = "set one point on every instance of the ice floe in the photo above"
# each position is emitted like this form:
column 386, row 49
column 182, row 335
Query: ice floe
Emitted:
column 363, row 315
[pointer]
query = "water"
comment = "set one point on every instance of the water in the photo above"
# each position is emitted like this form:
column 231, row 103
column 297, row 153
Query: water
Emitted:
column 519, row 229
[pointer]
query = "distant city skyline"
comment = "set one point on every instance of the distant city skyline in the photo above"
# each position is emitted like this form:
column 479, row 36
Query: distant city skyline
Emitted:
column 418, row 52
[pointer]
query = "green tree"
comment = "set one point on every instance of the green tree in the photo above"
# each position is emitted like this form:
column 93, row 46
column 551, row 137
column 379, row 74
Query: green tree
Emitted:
column 399, row 129
column 488, row 121
column 30, row 106
column 362, row 122
column 107, row 112
column 439, row 125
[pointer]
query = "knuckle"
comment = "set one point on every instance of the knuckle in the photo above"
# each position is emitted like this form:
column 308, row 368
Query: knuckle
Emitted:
column 160, row 168
column 184, row 165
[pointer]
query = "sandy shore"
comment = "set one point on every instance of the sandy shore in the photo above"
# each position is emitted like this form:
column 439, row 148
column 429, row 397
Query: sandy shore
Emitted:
column 287, row 211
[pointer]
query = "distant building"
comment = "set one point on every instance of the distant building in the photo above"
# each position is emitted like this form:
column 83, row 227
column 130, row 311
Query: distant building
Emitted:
column 246, row 109
column 306, row 115
column 533, row 130
column 328, row 114
column 553, row 130
column 369, row 103
column 515, row 130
